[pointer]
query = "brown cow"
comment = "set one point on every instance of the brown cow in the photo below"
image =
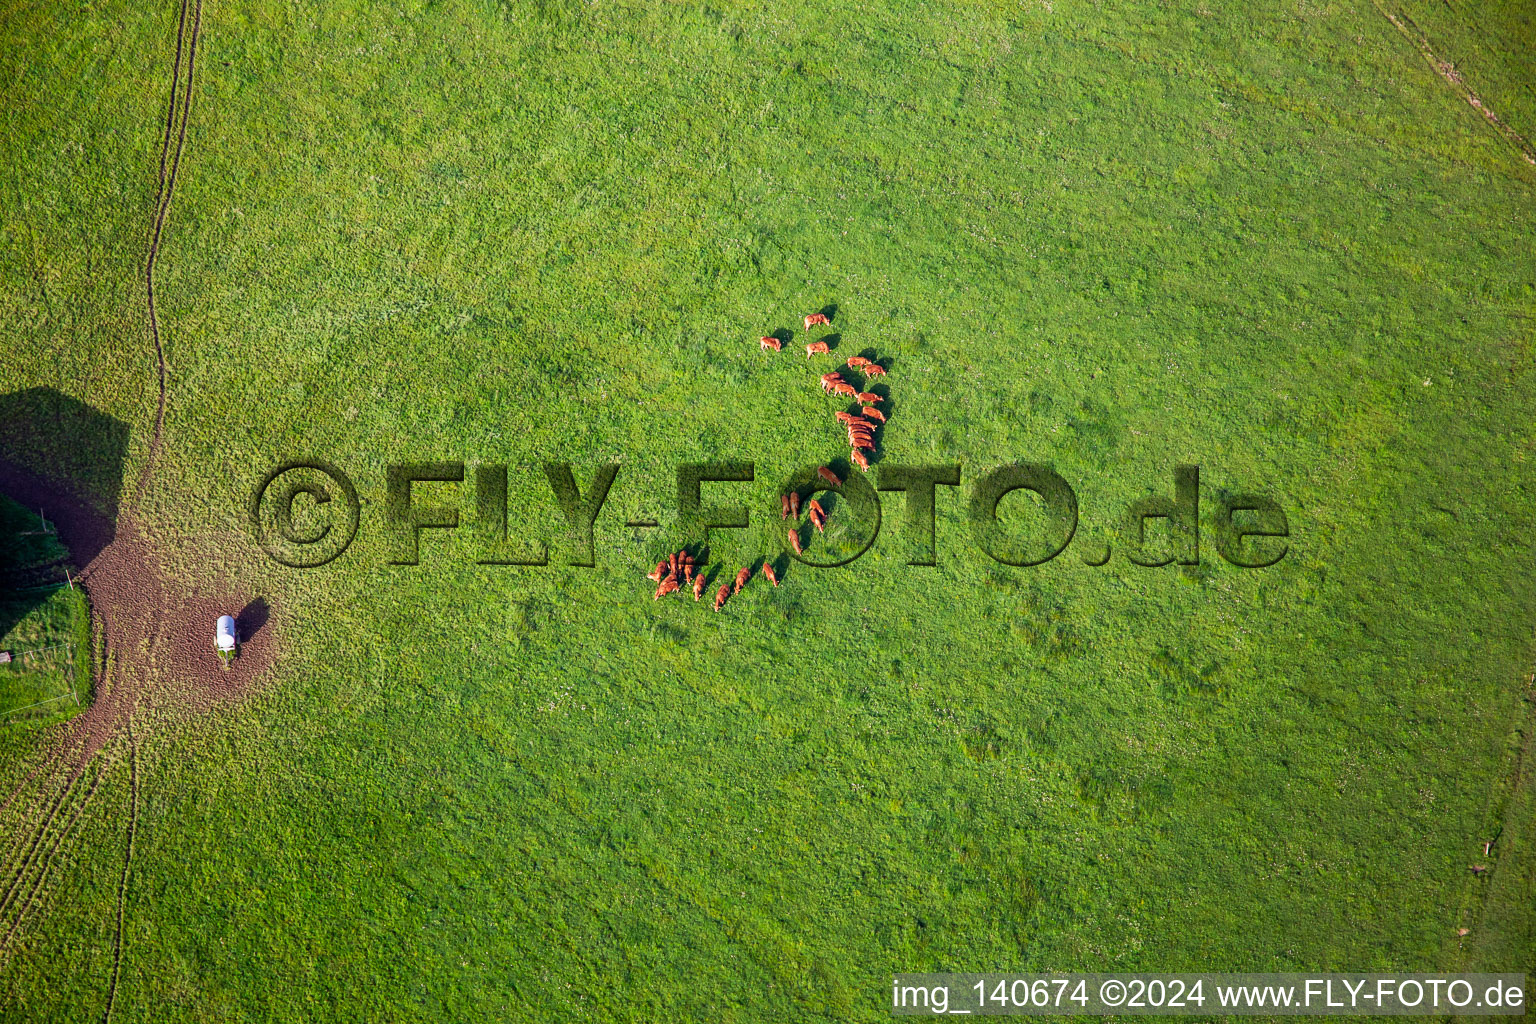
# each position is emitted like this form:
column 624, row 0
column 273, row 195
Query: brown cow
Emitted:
column 770, row 344
column 698, row 586
column 794, row 541
column 817, row 319
column 721, row 595
column 818, row 516
column 768, row 571
column 741, row 578
column 859, row 459
column 869, row 396
column 829, row 476
column 873, row 413
column 816, row 348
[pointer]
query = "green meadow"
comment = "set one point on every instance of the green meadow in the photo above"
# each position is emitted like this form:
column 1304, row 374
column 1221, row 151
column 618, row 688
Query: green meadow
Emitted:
column 1265, row 239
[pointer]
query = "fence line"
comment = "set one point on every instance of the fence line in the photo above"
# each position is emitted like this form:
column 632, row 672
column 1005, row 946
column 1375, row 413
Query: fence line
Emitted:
column 40, row 650
column 69, row 671
column 40, row 703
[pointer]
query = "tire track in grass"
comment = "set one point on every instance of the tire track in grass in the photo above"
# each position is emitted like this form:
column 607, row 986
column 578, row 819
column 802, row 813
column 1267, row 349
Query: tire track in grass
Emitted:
column 47, row 763
column 81, row 734
column 167, row 187
column 76, row 737
column 19, row 872
column 1489, row 908
column 19, row 837
column 1447, row 71
column 126, row 700
column 122, row 885
column 29, row 857
column 31, row 899
column 43, row 770
column 170, row 163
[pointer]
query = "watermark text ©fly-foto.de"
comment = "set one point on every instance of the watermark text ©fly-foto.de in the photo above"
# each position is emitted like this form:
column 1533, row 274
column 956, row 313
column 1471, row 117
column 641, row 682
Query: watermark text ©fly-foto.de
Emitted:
column 306, row 513
column 1206, row 995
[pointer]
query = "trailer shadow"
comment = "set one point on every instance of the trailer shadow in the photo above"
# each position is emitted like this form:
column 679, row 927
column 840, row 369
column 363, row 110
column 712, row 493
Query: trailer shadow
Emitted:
column 251, row 619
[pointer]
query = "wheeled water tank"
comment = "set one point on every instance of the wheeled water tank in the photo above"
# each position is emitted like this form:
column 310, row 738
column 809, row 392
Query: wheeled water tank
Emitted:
column 224, row 637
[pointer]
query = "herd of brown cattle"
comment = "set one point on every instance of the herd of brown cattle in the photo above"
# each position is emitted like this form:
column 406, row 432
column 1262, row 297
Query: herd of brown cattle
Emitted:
column 678, row 569
column 861, row 428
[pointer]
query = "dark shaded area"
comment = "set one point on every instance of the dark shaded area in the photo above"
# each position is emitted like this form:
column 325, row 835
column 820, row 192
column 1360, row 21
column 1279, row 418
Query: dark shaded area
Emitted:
column 873, row 355
column 251, row 619
column 65, row 459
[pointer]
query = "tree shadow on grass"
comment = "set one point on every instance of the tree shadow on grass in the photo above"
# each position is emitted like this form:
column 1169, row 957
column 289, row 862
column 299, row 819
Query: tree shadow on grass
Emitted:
column 62, row 459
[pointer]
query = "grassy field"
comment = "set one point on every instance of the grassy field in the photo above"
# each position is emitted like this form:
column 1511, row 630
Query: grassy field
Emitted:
column 1269, row 240
column 46, row 677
